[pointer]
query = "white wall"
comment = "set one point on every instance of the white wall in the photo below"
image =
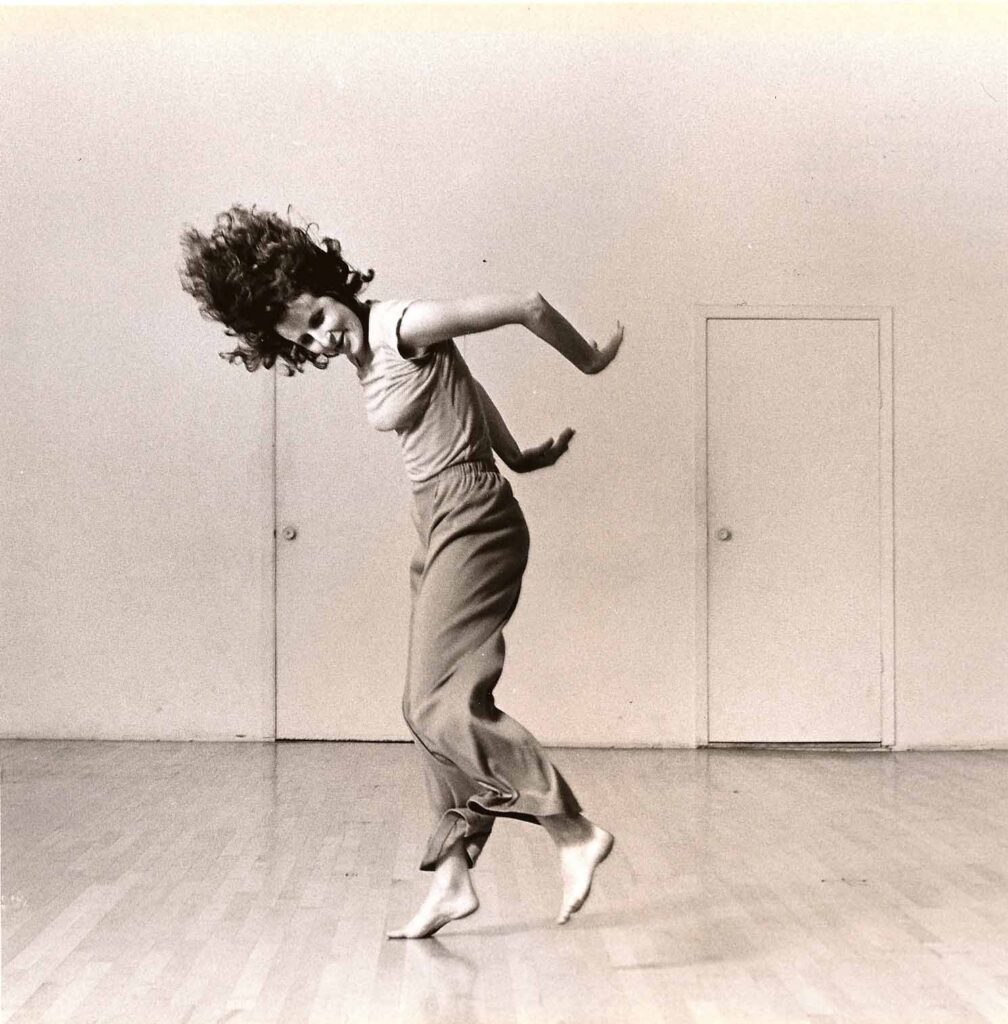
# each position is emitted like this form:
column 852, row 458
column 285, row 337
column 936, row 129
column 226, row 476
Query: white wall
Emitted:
column 627, row 162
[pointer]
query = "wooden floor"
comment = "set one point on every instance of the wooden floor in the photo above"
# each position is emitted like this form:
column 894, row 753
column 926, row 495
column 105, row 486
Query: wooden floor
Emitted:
column 149, row 883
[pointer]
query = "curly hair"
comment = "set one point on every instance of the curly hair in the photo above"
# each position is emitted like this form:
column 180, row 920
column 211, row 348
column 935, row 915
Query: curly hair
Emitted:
column 249, row 267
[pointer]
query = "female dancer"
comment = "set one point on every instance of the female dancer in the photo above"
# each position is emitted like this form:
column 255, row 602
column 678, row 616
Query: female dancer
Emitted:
column 290, row 300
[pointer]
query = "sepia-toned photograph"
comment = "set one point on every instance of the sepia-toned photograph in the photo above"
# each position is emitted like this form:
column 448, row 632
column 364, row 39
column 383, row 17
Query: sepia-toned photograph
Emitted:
column 504, row 513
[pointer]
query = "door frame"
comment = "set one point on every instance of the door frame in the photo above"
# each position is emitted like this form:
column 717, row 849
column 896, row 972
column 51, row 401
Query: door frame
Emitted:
column 883, row 317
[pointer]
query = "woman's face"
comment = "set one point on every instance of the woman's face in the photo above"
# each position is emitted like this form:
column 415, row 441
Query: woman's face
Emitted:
column 324, row 326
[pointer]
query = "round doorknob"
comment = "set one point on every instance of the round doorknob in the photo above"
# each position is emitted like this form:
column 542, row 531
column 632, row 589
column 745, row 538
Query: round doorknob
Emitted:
column 289, row 532
column 724, row 533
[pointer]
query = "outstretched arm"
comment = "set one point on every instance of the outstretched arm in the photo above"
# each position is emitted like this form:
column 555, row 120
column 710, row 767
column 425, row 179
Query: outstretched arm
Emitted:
column 506, row 447
column 548, row 324
column 428, row 322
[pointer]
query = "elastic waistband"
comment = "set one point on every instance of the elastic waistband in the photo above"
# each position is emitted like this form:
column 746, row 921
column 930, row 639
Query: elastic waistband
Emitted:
column 466, row 470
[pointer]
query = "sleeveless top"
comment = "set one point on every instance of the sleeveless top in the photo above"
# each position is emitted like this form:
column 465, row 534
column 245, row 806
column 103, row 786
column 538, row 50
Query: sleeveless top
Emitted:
column 430, row 400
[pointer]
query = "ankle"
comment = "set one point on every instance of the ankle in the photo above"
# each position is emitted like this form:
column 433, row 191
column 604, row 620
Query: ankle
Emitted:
column 452, row 873
column 451, row 885
column 567, row 830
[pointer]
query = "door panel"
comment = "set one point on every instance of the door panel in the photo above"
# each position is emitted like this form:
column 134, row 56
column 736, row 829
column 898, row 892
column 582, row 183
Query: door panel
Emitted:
column 343, row 579
column 794, row 641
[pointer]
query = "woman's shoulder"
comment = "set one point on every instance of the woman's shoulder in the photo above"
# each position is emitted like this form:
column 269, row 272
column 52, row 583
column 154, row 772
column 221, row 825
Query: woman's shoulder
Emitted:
column 385, row 318
column 385, row 312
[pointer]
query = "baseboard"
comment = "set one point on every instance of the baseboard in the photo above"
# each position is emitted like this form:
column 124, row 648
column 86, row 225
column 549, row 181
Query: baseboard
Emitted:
column 859, row 748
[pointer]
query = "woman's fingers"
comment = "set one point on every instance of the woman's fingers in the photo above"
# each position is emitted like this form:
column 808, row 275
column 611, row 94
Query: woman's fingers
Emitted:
column 605, row 355
column 537, row 450
column 615, row 341
column 544, row 454
column 548, row 452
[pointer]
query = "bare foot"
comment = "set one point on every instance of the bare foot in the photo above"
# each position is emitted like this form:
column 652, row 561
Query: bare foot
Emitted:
column 578, row 861
column 440, row 907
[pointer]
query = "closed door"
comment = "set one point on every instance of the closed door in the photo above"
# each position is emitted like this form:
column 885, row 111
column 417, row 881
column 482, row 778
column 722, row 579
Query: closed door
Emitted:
column 794, row 635
column 344, row 540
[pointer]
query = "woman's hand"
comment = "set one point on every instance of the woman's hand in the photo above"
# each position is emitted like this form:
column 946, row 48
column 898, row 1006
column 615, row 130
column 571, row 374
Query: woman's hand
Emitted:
column 600, row 358
column 541, row 455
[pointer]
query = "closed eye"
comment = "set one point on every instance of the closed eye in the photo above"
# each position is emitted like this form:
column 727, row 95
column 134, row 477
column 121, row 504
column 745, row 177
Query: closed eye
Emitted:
column 316, row 319
column 306, row 340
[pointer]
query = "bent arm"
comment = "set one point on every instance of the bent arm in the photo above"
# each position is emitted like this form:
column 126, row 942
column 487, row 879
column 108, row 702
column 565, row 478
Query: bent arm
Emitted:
column 428, row 322
column 546, row 323
column 501, row 439
column 506, row 447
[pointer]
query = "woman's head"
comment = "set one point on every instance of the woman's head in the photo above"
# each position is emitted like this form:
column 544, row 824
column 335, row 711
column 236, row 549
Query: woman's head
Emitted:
column 325, row 327
column 250, row 268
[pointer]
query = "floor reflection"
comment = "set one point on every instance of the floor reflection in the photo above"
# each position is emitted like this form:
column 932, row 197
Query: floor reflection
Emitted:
column 440, row 982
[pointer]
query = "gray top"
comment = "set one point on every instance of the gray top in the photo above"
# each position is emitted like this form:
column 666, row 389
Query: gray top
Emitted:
column 430, row 401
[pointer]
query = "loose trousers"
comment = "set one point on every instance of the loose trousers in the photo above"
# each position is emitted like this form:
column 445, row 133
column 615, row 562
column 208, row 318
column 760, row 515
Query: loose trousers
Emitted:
column 465, row 578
